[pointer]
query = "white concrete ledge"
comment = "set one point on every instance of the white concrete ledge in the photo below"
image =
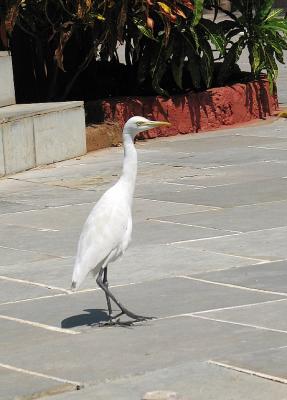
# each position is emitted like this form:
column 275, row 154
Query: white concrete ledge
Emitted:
column 7, row 92
column 38, row 134
column 19, row 111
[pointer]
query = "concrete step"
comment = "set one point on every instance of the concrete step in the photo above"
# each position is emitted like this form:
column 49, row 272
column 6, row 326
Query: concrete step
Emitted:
column 7, row 92
column 38, row 134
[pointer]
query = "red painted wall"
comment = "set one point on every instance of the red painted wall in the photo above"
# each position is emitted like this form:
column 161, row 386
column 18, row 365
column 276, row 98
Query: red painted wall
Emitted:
column 192, row 112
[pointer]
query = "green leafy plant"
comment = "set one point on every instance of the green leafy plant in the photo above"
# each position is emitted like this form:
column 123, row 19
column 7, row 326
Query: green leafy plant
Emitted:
column 262, row 29
column 170, row 45
column 179, row 45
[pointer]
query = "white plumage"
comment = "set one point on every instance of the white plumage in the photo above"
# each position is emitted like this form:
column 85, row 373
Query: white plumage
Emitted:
column 107, row 231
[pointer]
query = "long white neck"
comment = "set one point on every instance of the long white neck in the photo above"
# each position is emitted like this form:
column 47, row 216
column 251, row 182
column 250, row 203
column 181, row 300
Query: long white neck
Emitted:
column 129, row 173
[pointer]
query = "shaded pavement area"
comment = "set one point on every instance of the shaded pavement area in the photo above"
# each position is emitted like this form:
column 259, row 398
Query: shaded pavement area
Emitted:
column 208, row 260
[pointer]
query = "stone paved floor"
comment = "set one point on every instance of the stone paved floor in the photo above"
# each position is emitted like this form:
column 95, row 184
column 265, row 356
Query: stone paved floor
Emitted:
column 208, row 260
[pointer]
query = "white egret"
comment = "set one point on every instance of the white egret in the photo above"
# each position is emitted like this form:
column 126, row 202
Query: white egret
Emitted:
column 107, row 231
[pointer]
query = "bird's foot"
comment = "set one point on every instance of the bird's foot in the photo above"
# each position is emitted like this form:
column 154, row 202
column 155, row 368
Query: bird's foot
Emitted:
column 134, row 317
column 115, row 319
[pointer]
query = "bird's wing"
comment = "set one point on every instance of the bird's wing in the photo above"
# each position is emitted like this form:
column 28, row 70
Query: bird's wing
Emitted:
column 102, row 234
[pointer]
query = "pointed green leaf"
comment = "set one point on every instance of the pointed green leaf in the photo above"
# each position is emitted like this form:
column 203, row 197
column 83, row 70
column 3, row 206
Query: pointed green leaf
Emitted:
column 275, row 12
column 157, row 79
column 229, row 61
column 214, row 34
column 197, row 12
column 177, row 64
column 207, row 63
column 264, row 9
column 193, row 67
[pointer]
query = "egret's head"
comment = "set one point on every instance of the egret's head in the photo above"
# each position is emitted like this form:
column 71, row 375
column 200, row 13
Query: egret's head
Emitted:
column 136, row 125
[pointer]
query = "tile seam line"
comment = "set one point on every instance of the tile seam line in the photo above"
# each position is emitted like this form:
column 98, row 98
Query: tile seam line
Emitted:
column 198, row 313
column 249, row 372
column 174, row 202
column 52, row 185
column 206, row 238
column 195, row 274
column 194, row 226
column 242, row 164
column 265, row 203
column 230, row 285
column 7, row 303
column 29, row 251
column 40, row 375
column 71, row 293
column 231, row 235
column 39, row 325
column 46, row 208
column 34, row 252
column 266, row 148
column 191, row 186
column 238, row 307
column 224, row 321
column 260, row 260
column 51, row 287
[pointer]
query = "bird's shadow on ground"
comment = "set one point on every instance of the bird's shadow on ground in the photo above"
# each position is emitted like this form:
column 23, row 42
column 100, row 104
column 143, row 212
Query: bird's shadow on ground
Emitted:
column 95, row 317
column 90, row 318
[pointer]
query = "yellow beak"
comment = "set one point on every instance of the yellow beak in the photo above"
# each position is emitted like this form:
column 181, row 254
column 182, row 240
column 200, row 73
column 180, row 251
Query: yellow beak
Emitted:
column 155, row 124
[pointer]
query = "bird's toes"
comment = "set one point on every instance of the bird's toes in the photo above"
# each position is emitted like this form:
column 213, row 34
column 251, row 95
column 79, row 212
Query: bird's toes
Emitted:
column 143, row 318
column 106, row 323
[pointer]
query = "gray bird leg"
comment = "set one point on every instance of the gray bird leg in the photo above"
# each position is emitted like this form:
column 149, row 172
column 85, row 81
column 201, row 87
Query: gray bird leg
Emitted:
column 106, row 283
column 109, row 295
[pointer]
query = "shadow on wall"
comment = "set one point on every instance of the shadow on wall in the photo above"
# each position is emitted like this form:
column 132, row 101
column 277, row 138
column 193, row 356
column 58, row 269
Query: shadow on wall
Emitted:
column 191, row 112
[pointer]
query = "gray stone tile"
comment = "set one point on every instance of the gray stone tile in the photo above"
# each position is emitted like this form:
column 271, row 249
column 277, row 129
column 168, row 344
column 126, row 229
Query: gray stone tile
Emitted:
column 267, row 276
column 268, row 244
column 108, row 353
column 11, row 185
column 102, row 175
column 53, row 243
column 55, row 272
column 63, row 242
column 10, row 256
column 198, row 144
column 58, row 218
column 270, row 361
column 269, row 315
column 157, row 261
column 52, row 196
column 222, row 196
column 280, row 145
column 145, row 209
column 221, row 157
column 75, row 215
column 15, row 385
column 166, row 297
column 275, row 129
column 7, row 207
column 151, row 190
column 153, row 232
column 151, row 172
column 231, row 174
column 242, row 219
column 13, row 291
column 83, row 175
column 197, row 381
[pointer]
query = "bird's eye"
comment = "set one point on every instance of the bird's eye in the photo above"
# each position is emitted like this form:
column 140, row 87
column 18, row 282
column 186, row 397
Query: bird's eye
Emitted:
column 139, row 123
